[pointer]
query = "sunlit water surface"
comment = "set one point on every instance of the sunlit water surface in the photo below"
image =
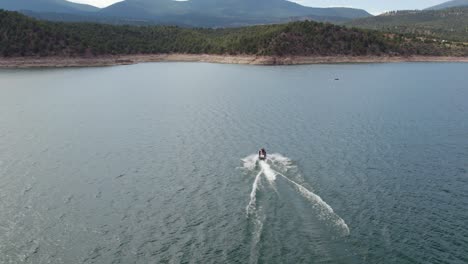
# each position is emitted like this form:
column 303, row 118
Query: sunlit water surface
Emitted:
column 155, row 163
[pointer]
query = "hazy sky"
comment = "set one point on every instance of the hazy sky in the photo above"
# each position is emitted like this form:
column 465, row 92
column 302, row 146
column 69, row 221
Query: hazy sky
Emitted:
column 373, row 6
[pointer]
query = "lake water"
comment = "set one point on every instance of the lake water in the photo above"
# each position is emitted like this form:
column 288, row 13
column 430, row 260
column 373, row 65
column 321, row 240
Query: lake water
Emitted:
column 155, row 163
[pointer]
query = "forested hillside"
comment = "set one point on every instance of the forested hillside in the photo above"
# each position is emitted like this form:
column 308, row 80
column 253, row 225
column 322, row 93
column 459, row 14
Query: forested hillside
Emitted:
column 24, row 36
column 449, row 4
column 62, row 6
column 448, row 24
column 193, row 13
column 226, row 13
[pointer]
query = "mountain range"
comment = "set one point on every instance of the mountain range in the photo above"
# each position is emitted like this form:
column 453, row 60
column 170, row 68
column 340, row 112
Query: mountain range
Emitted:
column 57, row 6
column 195, row 13
column 234, row 13
column 447, row 24
column 449, row 4
column 228, row 9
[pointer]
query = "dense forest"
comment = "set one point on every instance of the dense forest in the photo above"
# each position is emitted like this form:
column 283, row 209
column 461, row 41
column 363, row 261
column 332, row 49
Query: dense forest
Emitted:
column 24, row 36
column 448, row 24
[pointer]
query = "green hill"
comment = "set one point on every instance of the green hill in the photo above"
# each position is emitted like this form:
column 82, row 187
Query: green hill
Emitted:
column 226, row 13
column 193, row 13
column 450, row 4
column 448, row 24
column 62, row 6
column 24, row 36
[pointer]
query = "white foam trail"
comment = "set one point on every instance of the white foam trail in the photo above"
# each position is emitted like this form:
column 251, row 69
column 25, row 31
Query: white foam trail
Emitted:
column 278, row 159
column 326, row 211
column 251, row 207
column 250, row 162
column 269, row 173
column 258, row 224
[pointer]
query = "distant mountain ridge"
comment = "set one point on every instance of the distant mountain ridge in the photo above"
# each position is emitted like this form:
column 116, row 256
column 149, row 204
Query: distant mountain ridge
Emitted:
column 448, row 24
column 195, row 13
column 58, row 6
column 229, row 9
column 449, row 4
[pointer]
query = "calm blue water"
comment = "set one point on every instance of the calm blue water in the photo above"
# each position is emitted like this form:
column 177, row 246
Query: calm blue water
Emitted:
column 153, row 163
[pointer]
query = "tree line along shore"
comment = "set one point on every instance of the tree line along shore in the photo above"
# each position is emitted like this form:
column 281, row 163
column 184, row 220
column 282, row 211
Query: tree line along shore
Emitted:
column 25, row 37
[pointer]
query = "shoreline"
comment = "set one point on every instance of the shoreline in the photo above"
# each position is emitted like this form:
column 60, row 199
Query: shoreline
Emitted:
column 102, row 61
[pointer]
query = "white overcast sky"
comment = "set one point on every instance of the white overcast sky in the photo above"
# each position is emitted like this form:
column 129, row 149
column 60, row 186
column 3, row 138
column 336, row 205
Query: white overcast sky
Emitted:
column 373, row 6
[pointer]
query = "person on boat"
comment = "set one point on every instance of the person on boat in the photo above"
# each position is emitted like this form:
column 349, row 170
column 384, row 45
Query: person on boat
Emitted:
column 262, row 154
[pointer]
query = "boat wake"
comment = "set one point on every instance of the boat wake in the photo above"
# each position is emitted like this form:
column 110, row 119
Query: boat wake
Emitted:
column 282, row 166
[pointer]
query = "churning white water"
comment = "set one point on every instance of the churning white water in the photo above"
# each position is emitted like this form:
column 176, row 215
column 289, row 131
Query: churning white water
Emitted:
column 324, row 211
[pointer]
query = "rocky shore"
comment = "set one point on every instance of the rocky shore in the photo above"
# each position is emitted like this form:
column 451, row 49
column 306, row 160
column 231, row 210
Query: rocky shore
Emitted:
column 61, row 62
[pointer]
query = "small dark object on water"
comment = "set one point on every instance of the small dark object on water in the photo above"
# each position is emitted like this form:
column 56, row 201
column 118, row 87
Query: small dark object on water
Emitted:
column 262, row 154
column 337, row 79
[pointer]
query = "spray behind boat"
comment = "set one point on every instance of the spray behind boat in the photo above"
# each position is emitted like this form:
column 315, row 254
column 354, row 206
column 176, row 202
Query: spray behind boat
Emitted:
column 281, row 168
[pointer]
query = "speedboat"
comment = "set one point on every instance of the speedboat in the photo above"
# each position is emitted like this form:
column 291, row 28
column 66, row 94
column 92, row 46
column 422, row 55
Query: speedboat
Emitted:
column 262, row 154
